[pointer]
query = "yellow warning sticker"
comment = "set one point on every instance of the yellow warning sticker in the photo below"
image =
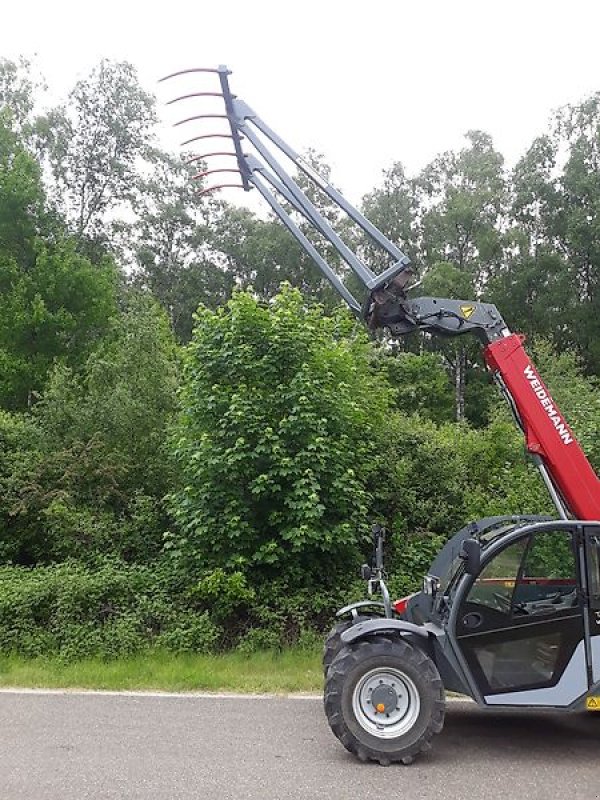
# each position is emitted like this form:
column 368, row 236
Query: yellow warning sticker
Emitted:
column 593, row 703
column 467, row 311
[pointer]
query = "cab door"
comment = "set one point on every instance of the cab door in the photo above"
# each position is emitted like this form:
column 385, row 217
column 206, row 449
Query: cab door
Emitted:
column 520, row 626
column 592, row 558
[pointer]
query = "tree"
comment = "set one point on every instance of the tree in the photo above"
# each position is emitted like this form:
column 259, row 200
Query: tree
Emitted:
column 257, row 254
column 280, row 409
column 420, row 382
column 392, row 208
column 462, row 202
column 170, row 239
column 579, row 129
column 17, row 93
column 53, row 302
column 462, row 199
column 125, row 397
column 260, row 254
column 532, row 285
column 549, row 283
column 86, row 472
column 95, row 143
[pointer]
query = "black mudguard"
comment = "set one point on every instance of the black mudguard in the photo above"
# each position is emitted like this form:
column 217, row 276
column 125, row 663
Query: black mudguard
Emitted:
column 375, row 626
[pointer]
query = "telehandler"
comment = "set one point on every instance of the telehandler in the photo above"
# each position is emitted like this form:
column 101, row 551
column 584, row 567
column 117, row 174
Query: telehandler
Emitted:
column 509, row 612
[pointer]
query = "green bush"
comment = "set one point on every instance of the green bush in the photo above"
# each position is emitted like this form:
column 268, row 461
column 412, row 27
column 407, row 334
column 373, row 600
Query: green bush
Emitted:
column 111, row 610
column 86, row 472
column 270, row 521
column 275, row 442
column 191, row 632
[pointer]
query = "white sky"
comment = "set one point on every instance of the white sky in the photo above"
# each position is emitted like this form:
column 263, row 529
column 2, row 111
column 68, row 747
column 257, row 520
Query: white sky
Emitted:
column 366, row 82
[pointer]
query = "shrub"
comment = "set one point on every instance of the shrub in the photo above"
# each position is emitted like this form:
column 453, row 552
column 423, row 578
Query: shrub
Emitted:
column 280, row 411
column 110, row 610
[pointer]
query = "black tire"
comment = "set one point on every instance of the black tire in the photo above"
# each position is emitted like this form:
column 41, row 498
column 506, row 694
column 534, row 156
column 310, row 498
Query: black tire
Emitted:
column 419, row 688
column 333, row 642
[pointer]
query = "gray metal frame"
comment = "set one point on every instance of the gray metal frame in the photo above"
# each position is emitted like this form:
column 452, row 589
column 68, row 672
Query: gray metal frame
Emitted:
column 268, row 176
column 386, row 304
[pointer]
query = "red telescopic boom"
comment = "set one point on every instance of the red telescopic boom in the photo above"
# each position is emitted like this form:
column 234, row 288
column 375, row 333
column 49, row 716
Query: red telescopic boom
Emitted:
column 547, row 434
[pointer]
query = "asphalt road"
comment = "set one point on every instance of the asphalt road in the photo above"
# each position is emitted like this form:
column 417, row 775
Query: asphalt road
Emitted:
column 76, row 746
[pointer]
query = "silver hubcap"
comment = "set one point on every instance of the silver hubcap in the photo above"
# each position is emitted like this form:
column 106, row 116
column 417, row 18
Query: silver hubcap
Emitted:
column 386, row 703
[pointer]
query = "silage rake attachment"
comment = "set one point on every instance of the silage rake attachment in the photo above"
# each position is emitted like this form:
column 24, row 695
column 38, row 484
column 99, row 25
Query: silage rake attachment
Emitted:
column 261, row 170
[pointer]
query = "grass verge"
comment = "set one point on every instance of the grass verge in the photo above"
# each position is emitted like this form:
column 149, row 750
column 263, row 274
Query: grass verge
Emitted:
column 292, row 670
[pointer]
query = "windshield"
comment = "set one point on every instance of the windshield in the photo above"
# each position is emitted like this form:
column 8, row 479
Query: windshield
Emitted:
column 448, row 563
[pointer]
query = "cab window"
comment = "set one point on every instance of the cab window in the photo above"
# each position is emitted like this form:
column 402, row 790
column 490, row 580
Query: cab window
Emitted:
column 548, row 581
column 495, row 585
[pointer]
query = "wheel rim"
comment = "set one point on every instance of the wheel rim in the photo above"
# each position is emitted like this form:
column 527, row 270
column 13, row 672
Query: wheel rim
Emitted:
column 386, row 702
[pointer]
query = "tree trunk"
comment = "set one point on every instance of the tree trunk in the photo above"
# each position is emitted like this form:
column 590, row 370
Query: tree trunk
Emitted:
column 460, row 369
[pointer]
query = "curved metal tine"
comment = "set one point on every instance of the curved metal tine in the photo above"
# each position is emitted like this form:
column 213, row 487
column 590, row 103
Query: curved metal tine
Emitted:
column 194, row 94
column 200, row 192
column 207, row 136
column 207, row 155
column 210, row 172
column 200, row 116
column 193, row 69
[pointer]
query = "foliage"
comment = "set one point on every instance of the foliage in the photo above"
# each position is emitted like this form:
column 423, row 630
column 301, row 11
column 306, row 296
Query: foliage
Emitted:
column 94, row 142
column 420, row 383
column 54, row 304
column 54, row 311
column 169, row 239
column 236, row 515
column 279, row 412
column 110, row 610
column 85, row 473
column 18, row 88
column 392, row 208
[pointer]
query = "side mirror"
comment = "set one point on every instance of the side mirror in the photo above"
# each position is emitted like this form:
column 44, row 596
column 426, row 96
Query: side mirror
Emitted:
column 470, row 552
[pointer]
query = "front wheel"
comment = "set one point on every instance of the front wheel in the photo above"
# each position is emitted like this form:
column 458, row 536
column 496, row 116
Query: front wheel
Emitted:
column 384, row 700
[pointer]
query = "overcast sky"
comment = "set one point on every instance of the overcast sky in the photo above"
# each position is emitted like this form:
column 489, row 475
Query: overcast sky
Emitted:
column 366, row 83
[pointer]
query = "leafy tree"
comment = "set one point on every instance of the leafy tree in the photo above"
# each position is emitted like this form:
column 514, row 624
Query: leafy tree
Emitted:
column 170, row 238
column 17, row 94
column 21, row 199
column 579, row 128
column 549, row 281
column 461, row 200
column 124, row 398
column 261, row 254
column 420, row 383
column 53, row 302
column 95, row 142
column 280, row 408
column 55, row 311
column 532, row 286
column 392, row 208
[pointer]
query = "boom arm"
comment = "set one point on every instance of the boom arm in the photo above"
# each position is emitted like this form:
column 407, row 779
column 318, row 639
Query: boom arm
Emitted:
column 548, row 437
column 568, row 475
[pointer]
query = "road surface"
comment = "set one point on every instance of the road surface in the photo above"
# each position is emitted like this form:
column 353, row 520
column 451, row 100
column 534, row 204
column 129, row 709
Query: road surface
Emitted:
column 68, row 746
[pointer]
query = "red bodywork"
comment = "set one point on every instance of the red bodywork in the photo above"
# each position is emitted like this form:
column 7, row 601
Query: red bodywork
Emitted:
column 546, row 432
